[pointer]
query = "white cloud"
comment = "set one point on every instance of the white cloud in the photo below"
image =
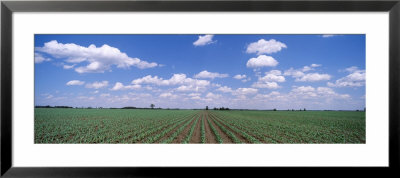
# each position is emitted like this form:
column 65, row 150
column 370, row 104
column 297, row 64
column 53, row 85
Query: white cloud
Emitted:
column 262, row 61
column 245, row 91
column 355, row 79
column 269, row 85
column 213, row 96
column 308, row 92
column 120, row 86
column 303, row 89
column 269, row 96
column 273, row 76
column 99, row 59
column 269, row 80
column 204, row 40
column 75, row 82
column 315, row 65
column 295, row 73
column 105, row 95
column 194, row 96
column 265, row 47
column 168, row 95
column 189, row 88
column 225, row 89
column 352, row 69
column 39, row 58
column 186, row 84
column 97, row 85
column 328, row 36
column 238, row 76
column 301, row 76
column 176, row 79
column 243, row 77
column 313, row 77
column 68, row 66
column 211, row 75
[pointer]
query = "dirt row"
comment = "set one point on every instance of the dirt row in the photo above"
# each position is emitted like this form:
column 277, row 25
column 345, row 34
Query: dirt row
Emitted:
column 203, row 118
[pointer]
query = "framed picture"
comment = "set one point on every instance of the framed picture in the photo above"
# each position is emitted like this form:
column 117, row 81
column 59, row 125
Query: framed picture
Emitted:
column 136, row 88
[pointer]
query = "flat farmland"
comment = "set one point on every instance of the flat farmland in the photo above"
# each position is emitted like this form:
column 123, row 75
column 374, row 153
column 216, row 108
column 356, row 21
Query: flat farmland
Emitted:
column 146, row 126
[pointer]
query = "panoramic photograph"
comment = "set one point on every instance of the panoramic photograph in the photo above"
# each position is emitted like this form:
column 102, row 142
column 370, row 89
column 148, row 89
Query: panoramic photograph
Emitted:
column 199, row 89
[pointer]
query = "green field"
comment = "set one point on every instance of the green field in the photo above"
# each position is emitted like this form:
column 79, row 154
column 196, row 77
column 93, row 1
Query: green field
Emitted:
column 63, row 125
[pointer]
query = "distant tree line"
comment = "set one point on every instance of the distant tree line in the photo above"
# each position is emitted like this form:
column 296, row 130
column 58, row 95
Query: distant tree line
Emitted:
column 221, row 108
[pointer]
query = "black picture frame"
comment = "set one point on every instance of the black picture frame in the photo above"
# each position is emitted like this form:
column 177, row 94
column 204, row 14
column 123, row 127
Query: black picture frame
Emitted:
column 8, row 7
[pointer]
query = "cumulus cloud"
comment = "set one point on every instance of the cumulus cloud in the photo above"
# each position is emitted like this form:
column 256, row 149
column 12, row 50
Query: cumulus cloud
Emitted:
column 309, row 92
column 99, row 59
column 315, row 65
column 168, row 95
column 303, row 89
column 184, row 88
column 68, row 66
column 328, row 36
column 265, row 47
column 75, row 82
column 245, row 91
column 97, row 85
column 238, row 76
column 313, row 77
column 302, row 76
column 211, row 75
column 243, row 77
column 273, row 76
column 261, row 61
column 267, row 96
column 356, row 78
column 39, row 58
column 270, row 80
column 186, row 84
column 238, row 91
column 295, row 73
column 213, row 96
column 120, row 86
column 204, row 40
column 225, row 89
column 351, row 69
column 269, row 85
column 176, row 79
column 105, row 95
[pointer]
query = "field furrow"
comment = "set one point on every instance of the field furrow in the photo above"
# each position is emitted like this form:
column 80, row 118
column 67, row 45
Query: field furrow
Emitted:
column 180, row 138
column 197, row 133
column 210, row 136
column 240, row 134
column 217, row 131
column 173, row 132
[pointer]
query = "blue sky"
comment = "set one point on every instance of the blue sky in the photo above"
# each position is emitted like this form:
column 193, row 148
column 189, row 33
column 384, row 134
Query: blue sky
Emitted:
column 194, row 71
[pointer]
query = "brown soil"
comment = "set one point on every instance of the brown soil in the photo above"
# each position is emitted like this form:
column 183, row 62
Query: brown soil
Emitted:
column 185, row 131
column 166, row 126
column 240, row 137
column 210, row 137
column 225, row 138
column 166, row 136
column 155, row 133
column 260, row 139
column 196, row 137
